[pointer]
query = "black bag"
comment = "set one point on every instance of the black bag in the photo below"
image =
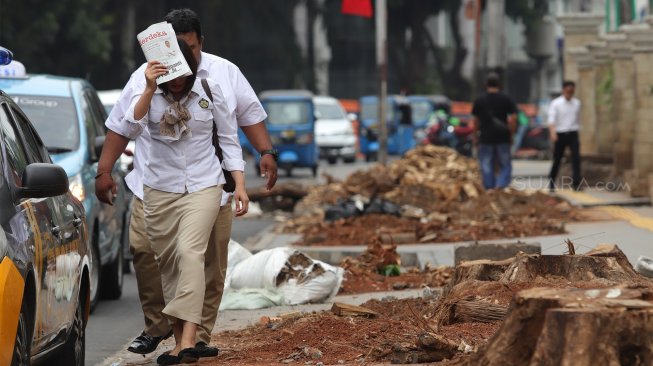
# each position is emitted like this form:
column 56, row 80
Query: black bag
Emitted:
column 497, row 124
column 230, row 185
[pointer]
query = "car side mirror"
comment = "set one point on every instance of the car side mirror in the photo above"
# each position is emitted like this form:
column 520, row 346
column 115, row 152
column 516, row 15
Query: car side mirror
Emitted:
column 352, row 117
column 99, row 143
column 43, row 180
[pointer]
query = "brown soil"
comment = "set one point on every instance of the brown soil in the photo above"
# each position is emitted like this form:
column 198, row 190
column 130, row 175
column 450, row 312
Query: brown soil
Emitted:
column 400, row 325
column 441, row 198
column 494, row 215
column 364, row 273
column 340, row 340
column 374, row 282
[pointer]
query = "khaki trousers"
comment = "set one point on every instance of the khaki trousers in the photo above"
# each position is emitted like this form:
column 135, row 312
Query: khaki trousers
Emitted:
column 215, row 270
column 148, row 277
column 179, row 226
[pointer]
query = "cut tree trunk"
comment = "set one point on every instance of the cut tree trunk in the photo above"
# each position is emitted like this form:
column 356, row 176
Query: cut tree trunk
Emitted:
column 550, row 326
column 290, row 190
column 496, row 282
column 479, row 270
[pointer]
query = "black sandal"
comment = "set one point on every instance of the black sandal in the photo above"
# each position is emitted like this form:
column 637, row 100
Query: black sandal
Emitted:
column 187, row 355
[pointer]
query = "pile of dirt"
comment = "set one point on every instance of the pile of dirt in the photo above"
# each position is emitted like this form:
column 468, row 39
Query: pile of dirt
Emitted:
column 467, row 324
column 425, row 177
column 372, row 271
column 438, row 198
column 332, row 339
column 493, row 215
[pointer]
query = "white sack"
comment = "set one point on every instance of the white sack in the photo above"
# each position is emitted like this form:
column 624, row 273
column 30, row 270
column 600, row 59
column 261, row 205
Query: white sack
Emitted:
column 297, row 277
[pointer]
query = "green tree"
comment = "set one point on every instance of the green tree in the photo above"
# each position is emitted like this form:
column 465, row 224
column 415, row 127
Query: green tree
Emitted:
column 64, row 37
column 410, row 43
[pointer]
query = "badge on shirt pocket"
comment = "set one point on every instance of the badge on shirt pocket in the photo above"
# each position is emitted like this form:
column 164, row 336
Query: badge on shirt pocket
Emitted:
column 203, row 103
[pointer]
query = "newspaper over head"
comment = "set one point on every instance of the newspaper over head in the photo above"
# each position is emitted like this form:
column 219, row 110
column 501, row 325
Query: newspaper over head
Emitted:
column 159, row 43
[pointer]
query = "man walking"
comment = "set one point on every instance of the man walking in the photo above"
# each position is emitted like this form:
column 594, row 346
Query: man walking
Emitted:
column 564, row 123
column 494, row 123
column 245, row 107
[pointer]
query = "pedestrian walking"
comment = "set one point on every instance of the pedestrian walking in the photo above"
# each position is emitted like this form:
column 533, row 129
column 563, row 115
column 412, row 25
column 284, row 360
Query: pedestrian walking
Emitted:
column 181, row 184
column 246, row 109
column 564, row 123
column 494, row 123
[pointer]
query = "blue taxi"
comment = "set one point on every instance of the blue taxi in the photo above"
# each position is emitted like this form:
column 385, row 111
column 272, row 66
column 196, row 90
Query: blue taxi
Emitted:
column 69, row 117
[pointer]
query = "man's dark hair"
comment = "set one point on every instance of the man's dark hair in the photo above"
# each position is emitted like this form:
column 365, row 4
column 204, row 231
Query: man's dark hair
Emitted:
column 184, row 21
column 192, row 63
column 567, row 83
column 493, row 81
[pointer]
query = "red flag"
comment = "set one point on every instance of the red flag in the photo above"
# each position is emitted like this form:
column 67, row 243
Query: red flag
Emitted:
column 361, row 8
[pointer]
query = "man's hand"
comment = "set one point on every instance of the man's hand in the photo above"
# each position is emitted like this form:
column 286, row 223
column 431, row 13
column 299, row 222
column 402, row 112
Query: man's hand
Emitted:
column 242, row 200
column 105, row 188
column 269, row 169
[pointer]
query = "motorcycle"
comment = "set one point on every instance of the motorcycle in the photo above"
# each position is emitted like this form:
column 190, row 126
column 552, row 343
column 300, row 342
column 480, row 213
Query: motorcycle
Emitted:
column 444, row 130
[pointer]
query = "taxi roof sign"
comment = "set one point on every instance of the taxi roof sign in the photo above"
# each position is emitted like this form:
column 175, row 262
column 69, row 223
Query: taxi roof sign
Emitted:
column 5, row 56
column 15, row 70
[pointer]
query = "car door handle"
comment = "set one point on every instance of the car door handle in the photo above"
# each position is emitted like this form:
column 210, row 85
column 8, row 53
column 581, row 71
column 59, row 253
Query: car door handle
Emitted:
column 77, row 222
column 55, row 231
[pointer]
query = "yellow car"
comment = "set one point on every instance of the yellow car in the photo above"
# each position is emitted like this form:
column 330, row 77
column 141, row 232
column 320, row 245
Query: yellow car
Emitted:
column 44, row 252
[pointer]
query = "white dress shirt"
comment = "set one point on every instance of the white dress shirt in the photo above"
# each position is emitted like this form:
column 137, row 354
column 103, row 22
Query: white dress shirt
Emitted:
column 564, row 114
column 188, row 164
column 239, row 95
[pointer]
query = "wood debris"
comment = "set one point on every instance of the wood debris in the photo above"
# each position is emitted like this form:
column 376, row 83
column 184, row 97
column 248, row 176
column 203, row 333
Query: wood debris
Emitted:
column 437, row 191
column 342, row 309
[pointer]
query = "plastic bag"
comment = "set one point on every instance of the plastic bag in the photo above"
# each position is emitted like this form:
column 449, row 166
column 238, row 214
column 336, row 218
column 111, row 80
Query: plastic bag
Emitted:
column 644, row 266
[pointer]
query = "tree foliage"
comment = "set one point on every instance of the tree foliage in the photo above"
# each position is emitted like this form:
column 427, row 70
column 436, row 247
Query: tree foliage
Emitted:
column 64, row 37
column 96, row 39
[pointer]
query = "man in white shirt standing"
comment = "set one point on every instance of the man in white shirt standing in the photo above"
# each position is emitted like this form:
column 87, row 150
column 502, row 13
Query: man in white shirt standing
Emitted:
column 564, row 123
column 245, row 106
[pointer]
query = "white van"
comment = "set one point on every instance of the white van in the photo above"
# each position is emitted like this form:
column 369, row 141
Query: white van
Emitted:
column 334, row 133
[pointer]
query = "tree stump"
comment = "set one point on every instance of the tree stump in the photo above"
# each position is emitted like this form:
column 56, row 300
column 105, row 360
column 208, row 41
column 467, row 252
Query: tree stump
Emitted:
column 495, row 282
column 478, row 270
column 550, row 326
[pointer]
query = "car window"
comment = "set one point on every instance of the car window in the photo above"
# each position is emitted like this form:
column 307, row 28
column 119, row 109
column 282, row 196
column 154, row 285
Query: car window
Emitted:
column 89, row 122
column 16, row 156
column 89, row 117
column 329, row 111
column 421, row 110
column 33, row 145
column 370, row 111
column 98, row 111
column 55, row 120
column 287, row 112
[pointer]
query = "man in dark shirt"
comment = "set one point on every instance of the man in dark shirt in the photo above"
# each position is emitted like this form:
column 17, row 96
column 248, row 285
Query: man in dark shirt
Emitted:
column 494, row 123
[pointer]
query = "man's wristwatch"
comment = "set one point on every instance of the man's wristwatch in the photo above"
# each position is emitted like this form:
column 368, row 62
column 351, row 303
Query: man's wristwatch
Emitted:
column 273, row 152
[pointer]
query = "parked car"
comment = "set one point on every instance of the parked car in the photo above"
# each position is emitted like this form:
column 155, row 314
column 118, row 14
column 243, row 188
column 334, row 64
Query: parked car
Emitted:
column 334, row 132
column 109, row 98
column 69, row 117
column 45, row 264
